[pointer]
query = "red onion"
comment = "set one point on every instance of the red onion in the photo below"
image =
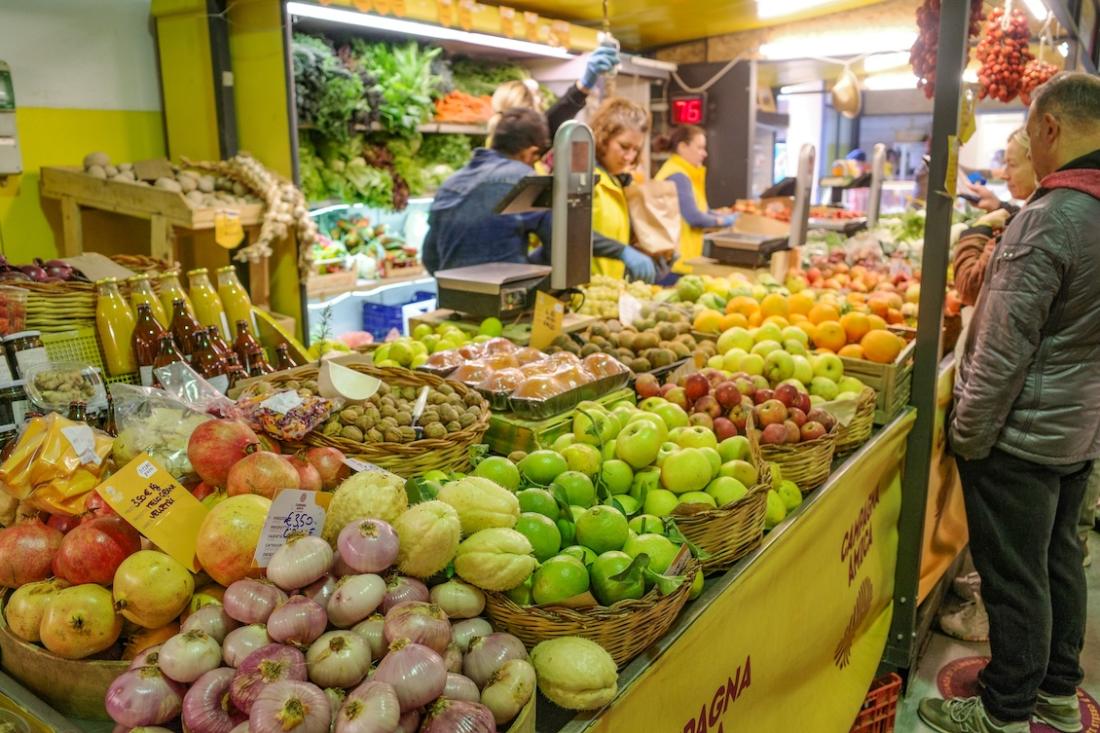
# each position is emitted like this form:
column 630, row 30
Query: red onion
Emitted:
column 140, row 729
column 488, row 653
column 452, row 657
column 213, row 620
column 409, row 722
column 290, row 706
column 206, row 706
column 264, row 667
column 372, row 707
column 34, row 272
column 338, row 659
column 458, row 599
column 252, row 601
column 402, row 590
column 509, row 689
column 301, row 561
column 298, row 621
column 239, row 643
column 143, row 696
column 187, row 656
column 242, row 728
column 356, row 597
column 368, row 546
column 421, row 623
column 321, row 589
column 466, row 631
column 415, row 671
column 371, row 631
column 341, row 568
column 461, row 688
column 147, row 657
column 458, row 716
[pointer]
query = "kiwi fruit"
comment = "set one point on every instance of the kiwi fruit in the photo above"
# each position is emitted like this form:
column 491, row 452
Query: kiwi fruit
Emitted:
column 589, row 349
column 640, row 364
column 667, row 331
column 626, row 339
column 663, row 314
column 623, row 355
column 681, row 350
column 645, row 340
column 599, row 329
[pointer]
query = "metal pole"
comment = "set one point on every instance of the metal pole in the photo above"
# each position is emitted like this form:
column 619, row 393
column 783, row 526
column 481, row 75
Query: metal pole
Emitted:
column 950, row 62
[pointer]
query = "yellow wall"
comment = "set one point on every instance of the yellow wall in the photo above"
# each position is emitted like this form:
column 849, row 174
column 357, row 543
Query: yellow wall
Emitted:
column 63, row 137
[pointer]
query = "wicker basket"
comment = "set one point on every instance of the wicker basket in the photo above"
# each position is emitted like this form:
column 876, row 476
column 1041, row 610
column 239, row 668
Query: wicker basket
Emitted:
column 857, row 432
column 807, row 464
column 625, row 630
column 405, row 459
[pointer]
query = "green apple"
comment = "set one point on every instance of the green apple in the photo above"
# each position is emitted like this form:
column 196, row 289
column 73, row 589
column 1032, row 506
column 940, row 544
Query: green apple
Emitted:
column 638, row 444
column 776, row 510
column 752, row 364
column 593, row 424
column 579, row 489
column 608, row 450
column 646, row 524
column 715, row 362
column 768, row 332
column 778, row 365
column 623, row 412
column 790, row 494
column 563, row 441
column 673, row 415
column 698, row 497
column 583, row 457
column 731, row 360
column 714, row 458
column 849, row 384
column 694, row 436
column 803, row 369
column 649, row 403
column 734, row 448
column 795, row 348
column 741, row 470
column 734, row 338
column 824, row 388
column 763, row 348
column 645, row 481
column 667, row 449
column 794, row 333
column 829, row 366
column 660, row 502
column 726, row 490
column 629, row 504
column 686, row 470
column 617, row 476
column 651, row 418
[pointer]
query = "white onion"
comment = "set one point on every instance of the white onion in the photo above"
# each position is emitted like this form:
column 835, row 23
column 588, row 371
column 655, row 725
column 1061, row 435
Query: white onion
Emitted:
column 212, row 619
column 356, row 598
column 401, row 589
column 458, row 599
column 251, row 601
column 466, row 631
column 239, row 643
column 143, row 696
column 147, row 657
column 338, row 659
column 187, row 656
column 300, row 562
column 298, row 621
column 422, row 623
column 321, row 589
column 368, row 545
column 509, row 689
column 372, row 707
column 487, row 654
column 416, row 673
column 461, row 688
column 371, row 631
column 290, row 705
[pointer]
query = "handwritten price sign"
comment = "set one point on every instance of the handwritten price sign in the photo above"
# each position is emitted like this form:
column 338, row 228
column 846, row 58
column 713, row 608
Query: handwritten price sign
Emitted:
column 546, row 322
column 292, row 512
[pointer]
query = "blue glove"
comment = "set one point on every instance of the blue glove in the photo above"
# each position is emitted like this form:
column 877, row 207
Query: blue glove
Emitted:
column 727, row 221
column 600, row 61
column 639, row 266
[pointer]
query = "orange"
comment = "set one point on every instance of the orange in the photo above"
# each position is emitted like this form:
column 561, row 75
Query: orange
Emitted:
column 877, row 323
column 857, row 298
column 830, row 335
column 708, row 321
column 800, row 303
column 852, row 351
column 777, row 320
column 733, row 319
column 823, row 312
column 743, row 304
column 855, row 325
column 877, row 303
column 797, row 318
column 881, row 346
column 806, row 326
column 756, row 318
column 893, row 315
column 774, row 304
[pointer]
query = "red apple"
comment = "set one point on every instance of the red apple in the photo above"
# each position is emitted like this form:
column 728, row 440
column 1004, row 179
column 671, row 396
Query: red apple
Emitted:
column 678, row 396
column 812, row 430
column 727, row 394
column 216, row 445
column 724, row 428
column 714, row 376
column 308, row 476
column 92, row 552
column 696, row 386
column 739, row 416
column 702, row 419
column 794, row 434
column 668, row 387
column 263, row 474
column 744, row 385
column 709, row 405
column 804, row 403
column 770, row 413
column 647, row 386
column 821, row 416
column 763, row 395
column 797, row 416
column 774, row 434
column 787, row 394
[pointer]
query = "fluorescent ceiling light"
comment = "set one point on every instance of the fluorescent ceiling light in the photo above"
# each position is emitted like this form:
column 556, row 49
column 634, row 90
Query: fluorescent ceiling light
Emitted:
column 1037, row 8
column 778, row 8
column 806, row 87
column 838, row 44
column 890, row 82
column 885, row 61
column 424, row 30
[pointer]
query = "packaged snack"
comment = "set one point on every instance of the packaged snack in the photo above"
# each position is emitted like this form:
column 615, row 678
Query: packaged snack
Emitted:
column 154, row 422
column 52, row 385
column 286, row 414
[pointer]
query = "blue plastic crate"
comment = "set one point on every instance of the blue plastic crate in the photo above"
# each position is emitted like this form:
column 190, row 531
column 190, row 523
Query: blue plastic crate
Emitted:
column 380, row 319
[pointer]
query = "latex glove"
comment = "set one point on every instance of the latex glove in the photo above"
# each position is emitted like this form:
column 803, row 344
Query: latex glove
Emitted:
column 995, row 220
column 639, row 266
column 600, row 61
column 988, row 200
column 727, row 221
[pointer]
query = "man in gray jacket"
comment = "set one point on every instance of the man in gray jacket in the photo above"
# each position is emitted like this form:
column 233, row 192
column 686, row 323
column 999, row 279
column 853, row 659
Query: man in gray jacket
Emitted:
column 1026, row 426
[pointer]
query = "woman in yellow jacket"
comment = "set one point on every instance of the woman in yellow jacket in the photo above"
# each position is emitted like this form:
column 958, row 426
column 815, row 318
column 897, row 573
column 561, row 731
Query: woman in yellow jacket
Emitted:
column 619, row 126
column 684, row 168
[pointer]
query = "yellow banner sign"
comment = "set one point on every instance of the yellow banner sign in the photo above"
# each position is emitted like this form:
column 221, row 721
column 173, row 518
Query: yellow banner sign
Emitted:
column 794, row 642
column 547, row 320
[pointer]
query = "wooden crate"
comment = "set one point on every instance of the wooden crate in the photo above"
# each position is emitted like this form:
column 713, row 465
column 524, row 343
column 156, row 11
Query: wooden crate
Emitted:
column 508, row 433
column 331, row 284
column 893, row 383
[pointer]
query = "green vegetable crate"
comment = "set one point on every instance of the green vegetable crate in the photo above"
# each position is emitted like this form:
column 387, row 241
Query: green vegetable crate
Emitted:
column 893, row 383
column 508, row 432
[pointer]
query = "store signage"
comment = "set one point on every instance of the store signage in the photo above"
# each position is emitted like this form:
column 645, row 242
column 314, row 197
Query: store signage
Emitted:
column 446, row 11
column 293, row 512
column 688, row 109
column 507, row 21
column 466, row 11
column 546, row 323
column 833, row 570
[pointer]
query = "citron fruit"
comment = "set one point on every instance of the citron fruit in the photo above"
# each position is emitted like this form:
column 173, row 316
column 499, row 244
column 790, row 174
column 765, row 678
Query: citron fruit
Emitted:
column 708, row 321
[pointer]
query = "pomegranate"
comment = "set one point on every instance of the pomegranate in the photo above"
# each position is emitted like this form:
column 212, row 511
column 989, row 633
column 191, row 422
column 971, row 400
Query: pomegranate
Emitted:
column 202, row 490
column 80, row 621
column 228, row 537
column 216, row 445
column 309, row 478
column 263, row 474
column 268, row 443
column 329, row 462
column 151, row 589
column 26, row 606
column 26, row 552
column 92, row 552
column 96, row 506
column 62, row 523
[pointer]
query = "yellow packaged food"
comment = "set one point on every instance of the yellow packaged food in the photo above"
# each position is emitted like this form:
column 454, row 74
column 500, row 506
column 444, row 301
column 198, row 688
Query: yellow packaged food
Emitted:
column 55, row 463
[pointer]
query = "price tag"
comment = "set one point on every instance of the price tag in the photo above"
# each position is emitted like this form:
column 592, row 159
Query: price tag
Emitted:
column 82, row 439
column 293, row 511
column 466, row 10
column 283, row 402
column 968, row 120
column 507, row 21
column 546, row 324
column 446, row 10
column 359, row 466
column 150, row 499
column 630, row 308
column 228, row 231
column 951, row 183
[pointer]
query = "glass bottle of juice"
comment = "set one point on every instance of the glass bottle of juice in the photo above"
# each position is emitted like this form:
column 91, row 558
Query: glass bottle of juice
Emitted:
column 283, row 359
column 250, row 353
column 204, row 298
column 234, row 370
column 238, row 306
column 146, row 342
column 184, row 327
column 207, row 363
column 115, row 324
column 166, row 352
column 142, row 292
column 168, row 285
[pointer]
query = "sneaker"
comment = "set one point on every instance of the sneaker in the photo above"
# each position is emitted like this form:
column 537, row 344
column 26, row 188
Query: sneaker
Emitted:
column 969, row 623
column 1060, row 713
column 964, row 715
column 968, row 587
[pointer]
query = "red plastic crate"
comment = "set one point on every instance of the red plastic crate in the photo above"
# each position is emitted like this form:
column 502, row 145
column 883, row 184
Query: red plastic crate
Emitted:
column 880, row 709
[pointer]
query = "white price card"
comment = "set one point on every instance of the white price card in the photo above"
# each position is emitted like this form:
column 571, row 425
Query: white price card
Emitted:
column 630, row 309
column 359, row 466
column 293, row 511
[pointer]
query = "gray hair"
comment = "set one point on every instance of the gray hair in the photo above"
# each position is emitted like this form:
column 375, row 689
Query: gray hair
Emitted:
column 1072, row 96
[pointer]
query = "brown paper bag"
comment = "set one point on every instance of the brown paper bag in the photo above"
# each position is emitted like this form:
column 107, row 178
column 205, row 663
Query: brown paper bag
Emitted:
column 655, row 217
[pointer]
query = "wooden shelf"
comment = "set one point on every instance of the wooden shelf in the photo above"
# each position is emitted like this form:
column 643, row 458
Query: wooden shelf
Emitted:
column 428, row 128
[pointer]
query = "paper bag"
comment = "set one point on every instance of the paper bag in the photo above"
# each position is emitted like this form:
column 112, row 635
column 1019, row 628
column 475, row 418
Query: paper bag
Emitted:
column 655, row 217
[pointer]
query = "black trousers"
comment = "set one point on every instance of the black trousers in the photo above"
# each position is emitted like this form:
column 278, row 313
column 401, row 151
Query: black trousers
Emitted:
column 1023, row 536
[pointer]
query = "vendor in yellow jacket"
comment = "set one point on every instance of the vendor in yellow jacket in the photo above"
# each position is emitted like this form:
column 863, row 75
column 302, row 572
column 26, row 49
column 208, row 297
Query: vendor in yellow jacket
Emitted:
column 684, row 168
column 619, row 127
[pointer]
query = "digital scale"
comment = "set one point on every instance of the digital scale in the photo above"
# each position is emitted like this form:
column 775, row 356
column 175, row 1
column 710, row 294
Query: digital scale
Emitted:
column 507, row 289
